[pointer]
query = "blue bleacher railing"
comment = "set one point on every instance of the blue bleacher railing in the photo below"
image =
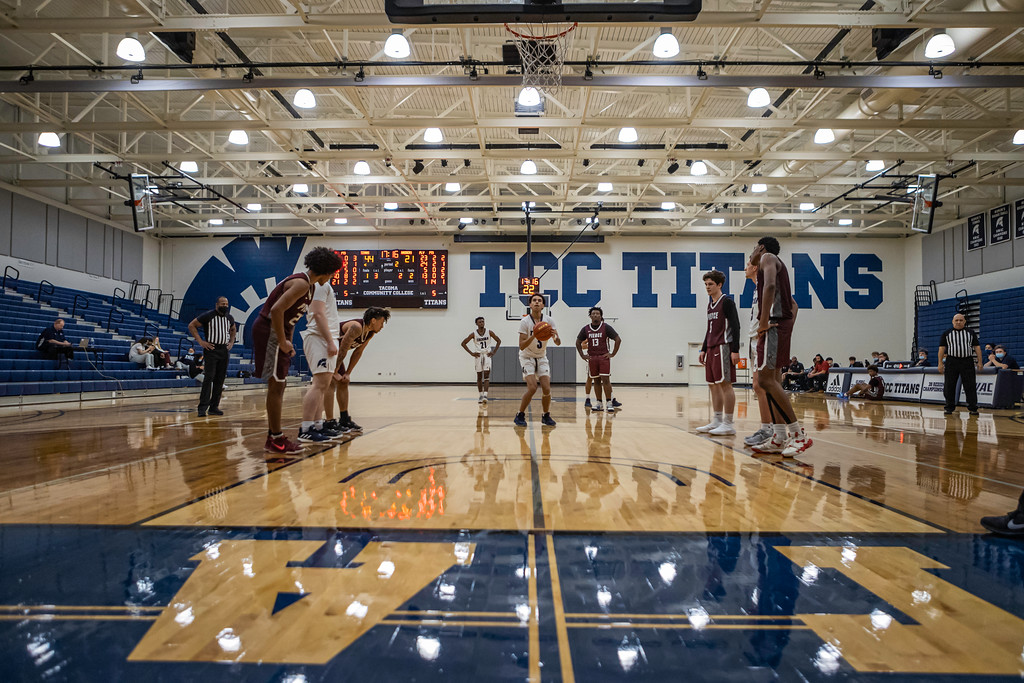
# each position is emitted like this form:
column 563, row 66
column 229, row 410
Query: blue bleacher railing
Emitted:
column 7, row 271
column 132, row 290
column 160, row 304
column 149, row 304
column 145, row 328
column 171, row 313
column 79, row 299
column 113, row 312
column 44, row 283
column 123, row 296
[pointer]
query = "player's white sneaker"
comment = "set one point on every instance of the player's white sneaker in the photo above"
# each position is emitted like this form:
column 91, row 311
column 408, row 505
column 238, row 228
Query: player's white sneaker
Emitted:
column 598, row 406
column 724, row 429
column 714, row 424
column 481, row 399
column 773, row 445
column 796, row 444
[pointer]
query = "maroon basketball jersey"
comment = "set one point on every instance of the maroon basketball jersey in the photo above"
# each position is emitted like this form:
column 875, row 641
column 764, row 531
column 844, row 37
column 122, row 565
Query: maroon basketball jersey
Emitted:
column 363, row 337
column 782, row 306
column 293, row 312
column 721, row 317
column 597, row 340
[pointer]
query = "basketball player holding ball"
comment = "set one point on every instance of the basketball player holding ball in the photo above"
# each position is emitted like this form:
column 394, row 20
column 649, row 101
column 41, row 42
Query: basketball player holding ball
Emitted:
column 534, row 332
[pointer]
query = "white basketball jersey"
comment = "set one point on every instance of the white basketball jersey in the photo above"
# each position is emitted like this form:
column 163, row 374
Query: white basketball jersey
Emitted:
column 483, row 342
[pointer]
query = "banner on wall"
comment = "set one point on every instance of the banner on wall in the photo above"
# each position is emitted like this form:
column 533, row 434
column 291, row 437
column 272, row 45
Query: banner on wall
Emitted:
column 1018, row 218
column 999, row 224
column 835, row 383
column 976, row 232
column 986, row 389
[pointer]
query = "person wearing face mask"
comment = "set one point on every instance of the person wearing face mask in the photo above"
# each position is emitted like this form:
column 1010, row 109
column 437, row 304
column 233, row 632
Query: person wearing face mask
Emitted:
column 1001, row 360
column 219, row 330
column 922, row 359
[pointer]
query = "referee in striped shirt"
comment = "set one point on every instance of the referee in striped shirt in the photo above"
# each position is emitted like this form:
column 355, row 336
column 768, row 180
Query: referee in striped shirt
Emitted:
column 959, row 357
column 219, row 329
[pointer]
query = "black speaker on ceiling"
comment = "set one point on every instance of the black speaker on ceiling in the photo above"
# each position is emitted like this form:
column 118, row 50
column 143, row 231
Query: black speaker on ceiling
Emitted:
column 181, row 43
column 885, row 40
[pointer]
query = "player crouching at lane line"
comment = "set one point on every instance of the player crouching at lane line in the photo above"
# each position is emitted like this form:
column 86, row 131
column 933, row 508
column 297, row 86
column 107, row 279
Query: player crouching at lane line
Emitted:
column 534, row 360
column 355, row 335
column 272, row 337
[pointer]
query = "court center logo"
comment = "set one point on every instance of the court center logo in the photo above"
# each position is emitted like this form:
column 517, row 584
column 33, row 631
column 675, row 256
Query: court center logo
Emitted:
column 247, row 603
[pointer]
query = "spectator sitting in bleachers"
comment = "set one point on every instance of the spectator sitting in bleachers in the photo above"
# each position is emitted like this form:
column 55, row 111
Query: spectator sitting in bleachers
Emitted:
column 988, row 353
column 793, row 378
column 193, row 364
column 1001, row 360
column 142, row 353
column 854, row 363
column 52, row 344
column 817, row 376
column 161, row 357
column 922, row 359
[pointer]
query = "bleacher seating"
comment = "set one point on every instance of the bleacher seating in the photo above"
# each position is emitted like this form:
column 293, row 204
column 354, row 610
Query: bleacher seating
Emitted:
column 23, row 371
column 1001, row 320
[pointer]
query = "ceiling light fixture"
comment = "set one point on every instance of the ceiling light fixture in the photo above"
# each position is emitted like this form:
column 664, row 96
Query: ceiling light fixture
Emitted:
column 397, row 45
column 939, row 45
column 528, row 167
column 717, row 221
column 48, row 140
column 361, row 168
column 529, row 97
column 452, row 187
column 807, row 206
column 189, row 167
column 130, row 49
column 300, row 188
column 758, row 98
column 823, row 136
column 238, row 137
column 665, row 45
column 604, row 187
column 390, row 206
column 433, row 135
column 628, row 134
column 1018, row 137
column 216, row 221
column 254, row 207
column 304, row 98
column 845, row 221
column 758, row 187
column 668, row 206
column 466, row 220
column 874, row 165
column 698, row 168
column 341, row 221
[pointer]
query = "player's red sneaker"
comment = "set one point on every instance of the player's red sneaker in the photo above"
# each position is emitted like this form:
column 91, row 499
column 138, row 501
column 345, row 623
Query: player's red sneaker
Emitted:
column 798, row 443
column 282, row 445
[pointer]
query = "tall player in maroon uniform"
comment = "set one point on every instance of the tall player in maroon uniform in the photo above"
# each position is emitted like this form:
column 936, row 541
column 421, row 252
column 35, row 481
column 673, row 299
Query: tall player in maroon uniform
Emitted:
column 774, row 334
column 599, row 360
column 719, row 354
column 272, row 337
column 355, row 335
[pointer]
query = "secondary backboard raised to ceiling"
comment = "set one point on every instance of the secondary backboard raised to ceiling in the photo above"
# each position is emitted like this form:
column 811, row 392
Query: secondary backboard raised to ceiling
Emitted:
column 476, row 12
column 925, row 203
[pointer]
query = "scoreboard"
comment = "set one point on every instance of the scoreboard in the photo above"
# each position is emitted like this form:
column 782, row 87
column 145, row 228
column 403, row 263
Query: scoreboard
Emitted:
column 395, row 278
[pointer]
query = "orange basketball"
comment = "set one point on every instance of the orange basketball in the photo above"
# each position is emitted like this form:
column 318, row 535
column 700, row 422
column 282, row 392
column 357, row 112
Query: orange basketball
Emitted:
column 543, row 331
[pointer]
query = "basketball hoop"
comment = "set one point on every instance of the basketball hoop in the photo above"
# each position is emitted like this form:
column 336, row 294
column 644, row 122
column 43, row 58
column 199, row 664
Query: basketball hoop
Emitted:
column 542, row 49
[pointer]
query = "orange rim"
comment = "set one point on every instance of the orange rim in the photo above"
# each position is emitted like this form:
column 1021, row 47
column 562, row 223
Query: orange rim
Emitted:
column 527, row 36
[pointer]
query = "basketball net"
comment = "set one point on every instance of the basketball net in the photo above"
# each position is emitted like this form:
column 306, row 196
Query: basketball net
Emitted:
column 542, row 49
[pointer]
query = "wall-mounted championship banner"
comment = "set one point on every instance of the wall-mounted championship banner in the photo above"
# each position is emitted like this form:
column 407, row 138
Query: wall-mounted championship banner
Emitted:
column 976, row 232
column 999, row 224
column 1018, row 218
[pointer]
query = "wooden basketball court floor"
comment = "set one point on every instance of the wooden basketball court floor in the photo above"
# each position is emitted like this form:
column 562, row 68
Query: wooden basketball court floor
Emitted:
column 139, row 542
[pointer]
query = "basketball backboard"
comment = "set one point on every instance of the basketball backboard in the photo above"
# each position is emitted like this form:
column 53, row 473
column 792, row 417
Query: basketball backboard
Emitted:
column 500, row 11
column 925, row 203
column 141, row 202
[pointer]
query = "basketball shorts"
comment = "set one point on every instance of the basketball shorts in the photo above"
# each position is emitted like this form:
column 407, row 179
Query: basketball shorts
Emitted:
column 718, row 367
column 773, row 346
column 752, row 354
column 600, row 366
column 315, row 348
column 268, row 359
column 535, row 366
column 873, row 394
column 483, row 362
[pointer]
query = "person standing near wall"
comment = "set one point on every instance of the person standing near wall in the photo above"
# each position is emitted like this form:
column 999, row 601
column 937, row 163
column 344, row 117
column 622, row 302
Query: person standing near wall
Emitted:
column 482, row 353
column 219, row 330
column 959, row 358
